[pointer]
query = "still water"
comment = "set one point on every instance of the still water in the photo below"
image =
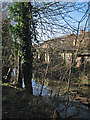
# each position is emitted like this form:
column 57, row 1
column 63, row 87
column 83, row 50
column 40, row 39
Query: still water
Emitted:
column 54, row 88
column 57, row 88
column 37, row 88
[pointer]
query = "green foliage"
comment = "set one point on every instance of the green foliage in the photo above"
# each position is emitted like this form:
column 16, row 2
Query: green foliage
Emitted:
column 5, row 84
column 16, row 29
column 23, row 31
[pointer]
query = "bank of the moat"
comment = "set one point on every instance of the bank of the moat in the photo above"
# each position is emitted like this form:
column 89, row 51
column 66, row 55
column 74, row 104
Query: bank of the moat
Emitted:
column 17, row 103
column 49, row 99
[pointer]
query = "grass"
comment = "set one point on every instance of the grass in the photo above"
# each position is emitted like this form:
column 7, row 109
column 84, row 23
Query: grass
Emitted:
column 17, row 103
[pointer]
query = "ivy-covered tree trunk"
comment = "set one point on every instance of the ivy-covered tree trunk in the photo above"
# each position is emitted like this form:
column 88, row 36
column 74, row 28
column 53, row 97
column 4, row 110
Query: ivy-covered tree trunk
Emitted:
column 23, row 32
column 27, row 39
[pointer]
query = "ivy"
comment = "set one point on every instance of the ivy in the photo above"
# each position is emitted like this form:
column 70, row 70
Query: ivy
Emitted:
column 16, row 29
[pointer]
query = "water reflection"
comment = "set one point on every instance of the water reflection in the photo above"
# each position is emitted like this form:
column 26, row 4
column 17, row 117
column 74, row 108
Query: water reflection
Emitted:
column 23, row 85
column 37, row 86
column 14, row 72
column 37, row 89
column 52, row 88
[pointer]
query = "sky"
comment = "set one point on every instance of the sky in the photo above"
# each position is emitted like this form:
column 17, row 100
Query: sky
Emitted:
column 56, row 29
column 77, row 15
column 89, row 18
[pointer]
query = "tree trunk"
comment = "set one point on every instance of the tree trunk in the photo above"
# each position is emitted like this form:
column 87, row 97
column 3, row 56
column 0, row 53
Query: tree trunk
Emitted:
column 8, row 75
column 19, row 78
column 27, row 39
column 27, row 69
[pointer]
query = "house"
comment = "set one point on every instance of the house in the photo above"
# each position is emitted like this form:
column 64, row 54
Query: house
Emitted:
column 66, row 45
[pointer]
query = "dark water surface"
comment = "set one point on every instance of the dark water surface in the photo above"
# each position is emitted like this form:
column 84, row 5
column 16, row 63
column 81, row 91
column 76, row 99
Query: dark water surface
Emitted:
column 56, row 88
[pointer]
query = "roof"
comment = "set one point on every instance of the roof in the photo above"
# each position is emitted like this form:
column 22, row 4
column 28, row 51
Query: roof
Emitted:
column 59, row 38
